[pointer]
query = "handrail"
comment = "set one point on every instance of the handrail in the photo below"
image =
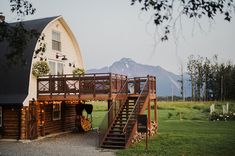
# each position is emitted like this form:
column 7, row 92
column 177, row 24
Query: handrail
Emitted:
column 106, row 117
column 137, row 101
column 97, row 83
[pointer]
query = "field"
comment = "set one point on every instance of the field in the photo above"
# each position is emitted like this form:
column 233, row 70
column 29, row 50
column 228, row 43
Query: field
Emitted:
column 184, row 129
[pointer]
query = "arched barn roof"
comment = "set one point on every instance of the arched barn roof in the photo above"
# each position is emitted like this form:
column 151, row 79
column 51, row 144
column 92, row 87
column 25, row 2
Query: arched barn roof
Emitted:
column 14, row 81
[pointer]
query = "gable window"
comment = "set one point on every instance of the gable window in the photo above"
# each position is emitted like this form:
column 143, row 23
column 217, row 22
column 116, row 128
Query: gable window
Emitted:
column 56, row 111
column 56, row 43
column 0, row 116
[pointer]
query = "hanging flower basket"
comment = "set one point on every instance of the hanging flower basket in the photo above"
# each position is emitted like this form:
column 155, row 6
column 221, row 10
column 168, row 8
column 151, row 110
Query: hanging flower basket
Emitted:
column 78, row 71
column 40, row 68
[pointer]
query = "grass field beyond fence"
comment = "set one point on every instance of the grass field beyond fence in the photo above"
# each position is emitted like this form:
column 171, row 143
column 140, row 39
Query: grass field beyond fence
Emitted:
column 190, row 133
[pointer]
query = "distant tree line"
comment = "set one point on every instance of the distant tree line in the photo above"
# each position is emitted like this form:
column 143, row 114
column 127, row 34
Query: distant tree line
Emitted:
column 211, row 80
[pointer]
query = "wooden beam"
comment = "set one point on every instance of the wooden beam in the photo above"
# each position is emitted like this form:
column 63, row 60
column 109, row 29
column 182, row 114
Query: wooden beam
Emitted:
column 155, row 110
column 149, row 114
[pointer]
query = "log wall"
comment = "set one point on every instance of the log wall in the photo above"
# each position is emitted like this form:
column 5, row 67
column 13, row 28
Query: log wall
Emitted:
column 66, row 123
column 23, row 134
column 10, row 122
column 45, row 123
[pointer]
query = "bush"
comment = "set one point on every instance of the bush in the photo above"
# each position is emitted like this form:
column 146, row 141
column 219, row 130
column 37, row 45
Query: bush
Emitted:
column 169, row 115
column 40, row 68
column 197, row 107
column 222, row 117
column 78, row 71
column 205, row 110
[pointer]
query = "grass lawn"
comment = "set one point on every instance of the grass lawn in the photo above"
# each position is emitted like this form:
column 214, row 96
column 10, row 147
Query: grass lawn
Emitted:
column 193, row 135
column 100, row 108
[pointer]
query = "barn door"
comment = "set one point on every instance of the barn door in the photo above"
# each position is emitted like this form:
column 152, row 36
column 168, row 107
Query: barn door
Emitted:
column 32, row 121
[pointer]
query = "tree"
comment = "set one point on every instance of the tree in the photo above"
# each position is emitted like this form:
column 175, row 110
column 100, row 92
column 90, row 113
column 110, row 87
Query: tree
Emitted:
column 167, row 13
column 216, row 81
column 181, row 81
column 206, row 73
column 16, row 34
column 191, row 72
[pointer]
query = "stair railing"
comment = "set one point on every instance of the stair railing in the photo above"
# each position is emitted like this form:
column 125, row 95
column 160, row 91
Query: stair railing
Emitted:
column 127, row 129
column 112, row 112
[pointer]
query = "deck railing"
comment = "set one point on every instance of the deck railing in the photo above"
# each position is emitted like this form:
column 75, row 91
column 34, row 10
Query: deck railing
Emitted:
column 136, row 84
column 94, row 83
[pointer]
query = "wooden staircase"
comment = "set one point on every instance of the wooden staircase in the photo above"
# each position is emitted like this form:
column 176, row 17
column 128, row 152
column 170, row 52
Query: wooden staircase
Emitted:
column 124, row 125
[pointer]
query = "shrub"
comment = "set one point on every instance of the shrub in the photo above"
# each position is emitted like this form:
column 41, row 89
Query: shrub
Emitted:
column 222, row 117
column 40, row 68
column 78, row 71
column 169, row 115
column 197, row 107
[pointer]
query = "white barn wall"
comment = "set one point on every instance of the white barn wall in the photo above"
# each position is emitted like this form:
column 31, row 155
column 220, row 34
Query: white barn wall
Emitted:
column 69, row 48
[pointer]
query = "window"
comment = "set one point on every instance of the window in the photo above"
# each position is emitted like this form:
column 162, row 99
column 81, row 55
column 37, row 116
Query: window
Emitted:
column 0, row 116
column 56, row 68
column 52, row 68
column 60, row 68
column 56, row 111
column 56, row 43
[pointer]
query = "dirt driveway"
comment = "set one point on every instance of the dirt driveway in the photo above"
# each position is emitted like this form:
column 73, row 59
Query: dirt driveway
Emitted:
column 79, row 144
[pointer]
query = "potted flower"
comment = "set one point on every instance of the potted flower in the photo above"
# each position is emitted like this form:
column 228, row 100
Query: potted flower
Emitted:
column 40, row 68
column 78, row 71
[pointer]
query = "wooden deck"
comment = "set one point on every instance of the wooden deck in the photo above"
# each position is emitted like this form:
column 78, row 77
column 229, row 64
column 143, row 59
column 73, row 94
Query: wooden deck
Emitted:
column 98, row 86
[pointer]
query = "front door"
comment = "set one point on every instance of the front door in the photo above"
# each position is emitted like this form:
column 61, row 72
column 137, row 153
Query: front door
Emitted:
column 32, row 121
column 56, row 68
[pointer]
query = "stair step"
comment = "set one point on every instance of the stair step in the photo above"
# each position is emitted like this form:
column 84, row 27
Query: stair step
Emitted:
column 118, row 128
column 115, row 138
column 119, row 143
column 129, row 110
column 113, row 131
column 119, row 124
column 113, row 146
column 124, row 113
column 116, row 135
column 121, row 121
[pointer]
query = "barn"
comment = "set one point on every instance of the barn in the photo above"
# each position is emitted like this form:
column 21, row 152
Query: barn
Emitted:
column 34, row 105
column 19, row 85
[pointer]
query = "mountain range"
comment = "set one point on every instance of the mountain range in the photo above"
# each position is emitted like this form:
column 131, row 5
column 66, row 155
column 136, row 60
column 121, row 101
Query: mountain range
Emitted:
column 167, row 82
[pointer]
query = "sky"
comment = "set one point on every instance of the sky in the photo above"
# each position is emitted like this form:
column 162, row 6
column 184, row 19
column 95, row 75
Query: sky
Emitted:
column 108, row 30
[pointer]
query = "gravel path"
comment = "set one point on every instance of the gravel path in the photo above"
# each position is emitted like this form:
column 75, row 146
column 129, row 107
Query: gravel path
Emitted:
column 80, row 144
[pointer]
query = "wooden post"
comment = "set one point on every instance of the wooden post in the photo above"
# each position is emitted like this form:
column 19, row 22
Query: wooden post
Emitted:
column 155, row 110
column 64, row 86
column 43, row 119
column 110, row 82
column 149, row 116
column 110, row 114
column 94, row 87
column 146, row 147
column 80, row 87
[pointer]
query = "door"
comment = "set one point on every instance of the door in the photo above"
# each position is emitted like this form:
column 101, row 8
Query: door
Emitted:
column 32, row 121
column 56, row 68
